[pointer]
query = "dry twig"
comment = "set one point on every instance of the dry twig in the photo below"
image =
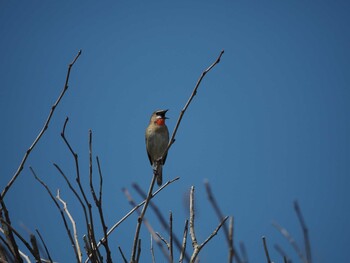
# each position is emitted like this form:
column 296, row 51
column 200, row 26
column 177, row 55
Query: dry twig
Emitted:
column 305, row 232
column 46, row 125
column 291, row 240
column 228, row 231
column 266, row 250
column 74, row 226
column 184, row 241
column 61, row 212
column 197, row 247
column 161, row 218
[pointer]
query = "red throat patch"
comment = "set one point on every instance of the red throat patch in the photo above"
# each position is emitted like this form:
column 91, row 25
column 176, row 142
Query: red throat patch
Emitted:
column 160, row 122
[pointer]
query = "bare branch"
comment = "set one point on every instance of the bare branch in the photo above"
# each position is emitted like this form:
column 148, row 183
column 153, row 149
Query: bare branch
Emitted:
column 160, row 217
column 228, row 232
column 266, row 250
column 231, row 252
column 46, row 125
column 291, row 240
column 184, row 241
column 98, row 203
column 123, row 256
column 282, row 253
column 61, row 212
column 244, row 252
column 21, row 238
column 5, row 217
column 42, row 241
column 163, row 239
column 194, row 92
column 135, row 208
column 196, row 247
column 92, row 230
column 75, row 232
column 35, row 250
column 305, row 232
column 152, row 251
column 138, row 251
column 171, row 236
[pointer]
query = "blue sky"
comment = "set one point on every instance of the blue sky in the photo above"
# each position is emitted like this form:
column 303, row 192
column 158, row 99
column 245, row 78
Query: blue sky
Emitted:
column 269, row 125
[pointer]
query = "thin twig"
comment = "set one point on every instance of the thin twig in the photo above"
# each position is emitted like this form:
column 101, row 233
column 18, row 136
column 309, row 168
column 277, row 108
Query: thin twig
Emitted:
column 160, row 217
column 139, row 220
column 87, row 203
column 194, row 92
column 98, row 203
column 135, row 208
column 20, row 237
column 196, row 247
column 171, row 236
column 74, row 226
column 230, row 241
column 138, row 250
column 291, row 240
column 35, row 250
column 61, row 212
column 282, row 253
column 148, row 225
column 244, row 252
column 92, row 230
column 8, row 253
column 42, row 241
column 46, row 125
column 266, row 250
column 8, row 231
column 228, row 232
column 152, row 251
column 305, row 232
column 163, row 239
column 123, row 256
column 184, row 241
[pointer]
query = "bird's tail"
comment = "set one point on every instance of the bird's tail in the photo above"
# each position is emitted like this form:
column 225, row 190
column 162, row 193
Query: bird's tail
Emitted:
column 158, row 171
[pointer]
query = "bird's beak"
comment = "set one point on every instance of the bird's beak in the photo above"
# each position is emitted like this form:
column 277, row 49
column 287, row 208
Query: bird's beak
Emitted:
column 162, row 114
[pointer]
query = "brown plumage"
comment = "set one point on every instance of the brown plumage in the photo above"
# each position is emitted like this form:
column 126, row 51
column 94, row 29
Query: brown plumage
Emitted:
column 157, row 139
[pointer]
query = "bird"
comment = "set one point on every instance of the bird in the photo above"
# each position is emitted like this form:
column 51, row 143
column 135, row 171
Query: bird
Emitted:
column 157, row 139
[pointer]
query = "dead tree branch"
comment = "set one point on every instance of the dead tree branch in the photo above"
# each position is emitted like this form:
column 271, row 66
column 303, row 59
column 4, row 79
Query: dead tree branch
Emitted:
column 305, row 232
column 291, row 240
column 266, row 250
column 197, row 247
column 46, row 125
column 194, row 92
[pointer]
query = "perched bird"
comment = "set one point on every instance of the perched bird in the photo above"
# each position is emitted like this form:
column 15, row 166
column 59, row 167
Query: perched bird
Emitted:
column 157, row 139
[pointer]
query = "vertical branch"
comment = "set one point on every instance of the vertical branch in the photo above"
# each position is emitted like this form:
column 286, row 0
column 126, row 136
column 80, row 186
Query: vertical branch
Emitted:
column 184, row 241
column 266, row 250
column 74, row 226
column 139, row 220
column 194, row 92
column 5, row 217
column 160, row 217
column 42, row 241
column 171, row 236
column 46, row 125
column 228, row 232
column 61, row 212
column 305, row 232
column 231, row 252
column 98, row 203
column 94, row 247
column 197, row 247
column 291, row 240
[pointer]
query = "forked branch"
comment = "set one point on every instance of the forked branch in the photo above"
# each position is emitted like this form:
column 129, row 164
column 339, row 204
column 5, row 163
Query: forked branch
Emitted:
column 46, row 125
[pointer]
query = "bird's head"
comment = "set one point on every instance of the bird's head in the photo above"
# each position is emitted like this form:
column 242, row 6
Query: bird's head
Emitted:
column 158, row 117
